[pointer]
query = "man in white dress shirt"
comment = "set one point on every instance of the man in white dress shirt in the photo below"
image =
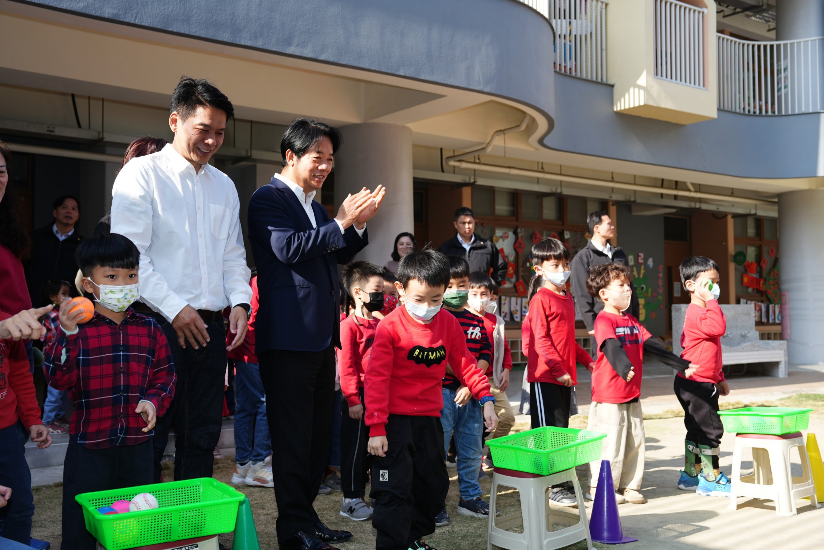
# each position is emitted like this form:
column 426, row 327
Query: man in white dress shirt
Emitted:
column 183, row 215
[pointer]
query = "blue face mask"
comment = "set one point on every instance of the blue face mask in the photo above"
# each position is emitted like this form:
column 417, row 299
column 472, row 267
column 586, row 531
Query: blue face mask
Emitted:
column 421, row 312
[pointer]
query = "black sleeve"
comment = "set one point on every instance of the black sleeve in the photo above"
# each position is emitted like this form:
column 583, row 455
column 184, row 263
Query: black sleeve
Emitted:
column 497, row 264
column 655, row 348
column 579, row 272
column 617, row 357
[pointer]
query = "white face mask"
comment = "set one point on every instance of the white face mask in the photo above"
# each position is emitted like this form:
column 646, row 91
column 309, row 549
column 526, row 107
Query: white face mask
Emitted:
column 492, row 307
column 621, row 300
column 478, row 304
column 116, row 298
column 421, row 312
column 557, row 279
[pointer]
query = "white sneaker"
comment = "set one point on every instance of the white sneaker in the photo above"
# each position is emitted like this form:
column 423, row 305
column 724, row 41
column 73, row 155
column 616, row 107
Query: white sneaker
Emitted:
column 260, row 475
column 239, row 477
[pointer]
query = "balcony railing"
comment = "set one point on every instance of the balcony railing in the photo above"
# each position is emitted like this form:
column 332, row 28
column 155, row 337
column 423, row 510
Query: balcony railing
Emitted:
column 770, row 78
column 580, row 35
column 679, row 42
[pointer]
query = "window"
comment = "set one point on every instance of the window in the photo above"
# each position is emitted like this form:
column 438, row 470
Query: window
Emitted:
column 677, row 228
column 757, row 239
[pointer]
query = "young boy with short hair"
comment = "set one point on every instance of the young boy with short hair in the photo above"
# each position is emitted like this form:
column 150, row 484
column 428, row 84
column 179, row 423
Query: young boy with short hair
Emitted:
column 403, row 385
column 704, row 325
column 364, row 283
column 616, row 381
column 481, row 291
column 119, row 372
column 390, row 293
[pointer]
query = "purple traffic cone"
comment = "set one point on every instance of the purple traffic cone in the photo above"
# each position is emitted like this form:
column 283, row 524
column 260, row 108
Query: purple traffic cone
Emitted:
column 605, row 525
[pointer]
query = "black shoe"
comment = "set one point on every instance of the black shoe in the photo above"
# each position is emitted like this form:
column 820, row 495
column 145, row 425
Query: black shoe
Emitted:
column 325, row 534
column 420, row 545
column 303, row 541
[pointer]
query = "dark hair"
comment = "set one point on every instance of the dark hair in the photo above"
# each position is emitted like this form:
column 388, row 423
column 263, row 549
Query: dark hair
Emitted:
column 548, row 249
column 600, row 276
column 142, row 147
column 12, row 234
column 304, row 133
column 458, row 267
column 192, row 93
column 463, row 211
column 50, row 288
column 356, row 274
column 395, row 255
column 478, row 279
column 692, row 267
column 106, row 250
column 428, row 267
column 594, row 219
column 58, row 202
column 388, row 276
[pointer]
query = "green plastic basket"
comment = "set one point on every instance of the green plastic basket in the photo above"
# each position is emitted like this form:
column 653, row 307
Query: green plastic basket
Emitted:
column 765, row 420
column 545, row 451
column 186, row 509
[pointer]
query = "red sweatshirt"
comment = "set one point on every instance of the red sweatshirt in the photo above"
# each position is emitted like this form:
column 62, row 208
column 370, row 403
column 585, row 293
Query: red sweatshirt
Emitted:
column 18, row 398
column 553, row 350
column 356, row 337
column 607, row 386
column 246, row 351
column 701, row 340
column 15, row 296
column 407, row 366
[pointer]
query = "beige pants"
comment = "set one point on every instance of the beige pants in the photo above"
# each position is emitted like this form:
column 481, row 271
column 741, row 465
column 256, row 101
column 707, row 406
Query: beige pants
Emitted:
column 506, row 418
column 624, row 444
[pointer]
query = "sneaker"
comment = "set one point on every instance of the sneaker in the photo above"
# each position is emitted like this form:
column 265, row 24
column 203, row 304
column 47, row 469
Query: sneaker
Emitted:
column 239, row 477
column 217, row 454
column 634, row 497
column 687, row 482
column 355, row 509
column 333, row 481
column 63, row 421
column 451, row 461
column 57, row 429
column 420, row 545
column 562, row 497
column 718, row 488
column 487, row 464
column 442, row 519
column 324, row 490
column 259, row 475
column 619, row 498
column 475, row 508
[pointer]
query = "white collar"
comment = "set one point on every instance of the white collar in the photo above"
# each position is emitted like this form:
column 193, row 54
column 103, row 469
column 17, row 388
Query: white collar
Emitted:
column 605, row 249
column 60, row 235
column 463, row 242
column 178, row 161
column 297, row 190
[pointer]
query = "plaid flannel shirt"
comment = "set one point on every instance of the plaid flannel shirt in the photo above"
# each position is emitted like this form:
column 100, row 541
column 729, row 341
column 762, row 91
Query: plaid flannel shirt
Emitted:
column 51, row 326
column 108, row 369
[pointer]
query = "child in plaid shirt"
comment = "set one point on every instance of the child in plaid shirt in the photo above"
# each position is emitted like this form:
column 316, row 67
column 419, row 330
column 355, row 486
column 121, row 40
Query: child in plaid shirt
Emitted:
column 119, row 372
column 57, row 401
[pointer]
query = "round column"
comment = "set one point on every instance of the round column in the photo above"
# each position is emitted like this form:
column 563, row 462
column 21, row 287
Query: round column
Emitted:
column 800, row 227
column 375, row 154
column 799, row 19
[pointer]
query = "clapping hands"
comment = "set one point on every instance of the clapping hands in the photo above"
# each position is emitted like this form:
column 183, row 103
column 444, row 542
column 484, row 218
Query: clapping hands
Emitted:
column 359, row 208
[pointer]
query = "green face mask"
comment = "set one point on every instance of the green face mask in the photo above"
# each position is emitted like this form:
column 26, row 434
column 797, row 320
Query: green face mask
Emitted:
column 455, row 298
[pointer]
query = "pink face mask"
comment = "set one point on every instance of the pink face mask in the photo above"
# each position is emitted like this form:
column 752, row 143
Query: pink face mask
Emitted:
column 620, row 300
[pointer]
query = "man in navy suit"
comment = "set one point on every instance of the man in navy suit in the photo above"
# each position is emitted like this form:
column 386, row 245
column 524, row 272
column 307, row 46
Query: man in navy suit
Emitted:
column 296, row 249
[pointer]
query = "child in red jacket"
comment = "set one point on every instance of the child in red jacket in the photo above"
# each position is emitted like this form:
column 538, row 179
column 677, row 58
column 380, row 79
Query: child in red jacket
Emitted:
column 704, row 325
column 403, row 382
column 364, row 283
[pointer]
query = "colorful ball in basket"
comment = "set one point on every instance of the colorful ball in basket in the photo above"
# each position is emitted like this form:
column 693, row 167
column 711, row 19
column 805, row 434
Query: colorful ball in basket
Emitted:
column 88, row 309
column 121, row 506
column 106, row 510
column 143, row 501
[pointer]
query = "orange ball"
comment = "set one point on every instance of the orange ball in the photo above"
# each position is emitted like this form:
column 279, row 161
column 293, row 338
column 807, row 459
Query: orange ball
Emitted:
column 88, row 309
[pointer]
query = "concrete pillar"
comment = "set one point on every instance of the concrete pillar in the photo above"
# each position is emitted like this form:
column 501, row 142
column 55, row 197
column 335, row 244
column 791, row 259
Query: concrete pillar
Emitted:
column 799, row 19
column 375, row 154
column 802, row 278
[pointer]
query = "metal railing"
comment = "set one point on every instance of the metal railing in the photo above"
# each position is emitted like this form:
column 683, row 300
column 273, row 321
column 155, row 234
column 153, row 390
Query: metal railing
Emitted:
column 580, row 36
column 770, row 78
column 679, row 42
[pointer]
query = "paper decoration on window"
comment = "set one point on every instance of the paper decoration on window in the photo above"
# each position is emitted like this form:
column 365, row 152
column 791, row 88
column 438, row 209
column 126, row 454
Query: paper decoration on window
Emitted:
column 763, row 263
column 566, row 234
column 520, row 287
column 502, row 252
column 524, row 309
column 505, row 308
column 650, row 263
column 771, row 285
column 495, row 239
column 536, row 237
column 505, row 235
column 641, row 258
column 515, row 305
column 510, row 270
column 739, row 258
column 631, row 259
column 519, row 246
column 772, row 252
column 554, row 235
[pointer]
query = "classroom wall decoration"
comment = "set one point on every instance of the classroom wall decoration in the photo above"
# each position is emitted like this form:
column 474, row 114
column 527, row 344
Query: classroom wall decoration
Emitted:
column 505, row 239
column 649, row 301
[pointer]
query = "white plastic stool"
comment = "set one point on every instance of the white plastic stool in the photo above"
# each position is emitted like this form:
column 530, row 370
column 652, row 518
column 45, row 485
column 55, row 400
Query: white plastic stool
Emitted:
column 534, row 513
column 772, row 478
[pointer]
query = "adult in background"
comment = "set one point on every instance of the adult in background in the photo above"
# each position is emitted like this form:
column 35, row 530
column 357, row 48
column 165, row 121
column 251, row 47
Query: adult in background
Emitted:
column 598, row 251
column 183, row 216
column 481, row 254
column 13, row 242
column 404, row 244
column 53, row 247
column 297, row 248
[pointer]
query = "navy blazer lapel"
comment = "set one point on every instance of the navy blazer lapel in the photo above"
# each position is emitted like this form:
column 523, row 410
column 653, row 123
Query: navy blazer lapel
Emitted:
column 293, row 202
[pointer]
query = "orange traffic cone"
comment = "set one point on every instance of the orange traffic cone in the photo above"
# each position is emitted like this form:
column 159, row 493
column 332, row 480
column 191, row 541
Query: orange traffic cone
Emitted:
column 816, row 466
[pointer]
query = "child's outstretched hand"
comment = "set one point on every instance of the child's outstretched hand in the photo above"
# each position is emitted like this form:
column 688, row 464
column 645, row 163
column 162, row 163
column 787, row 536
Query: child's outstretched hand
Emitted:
column 631, row 373
column 68, row 321
column 40, row 435
column 147, row 411
column 566, row 380
column 693, row 368
column 24, row 325
column 356, row 412
column 463, row 396
column 724, row 388
column 490, row 418
column 378, row 445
